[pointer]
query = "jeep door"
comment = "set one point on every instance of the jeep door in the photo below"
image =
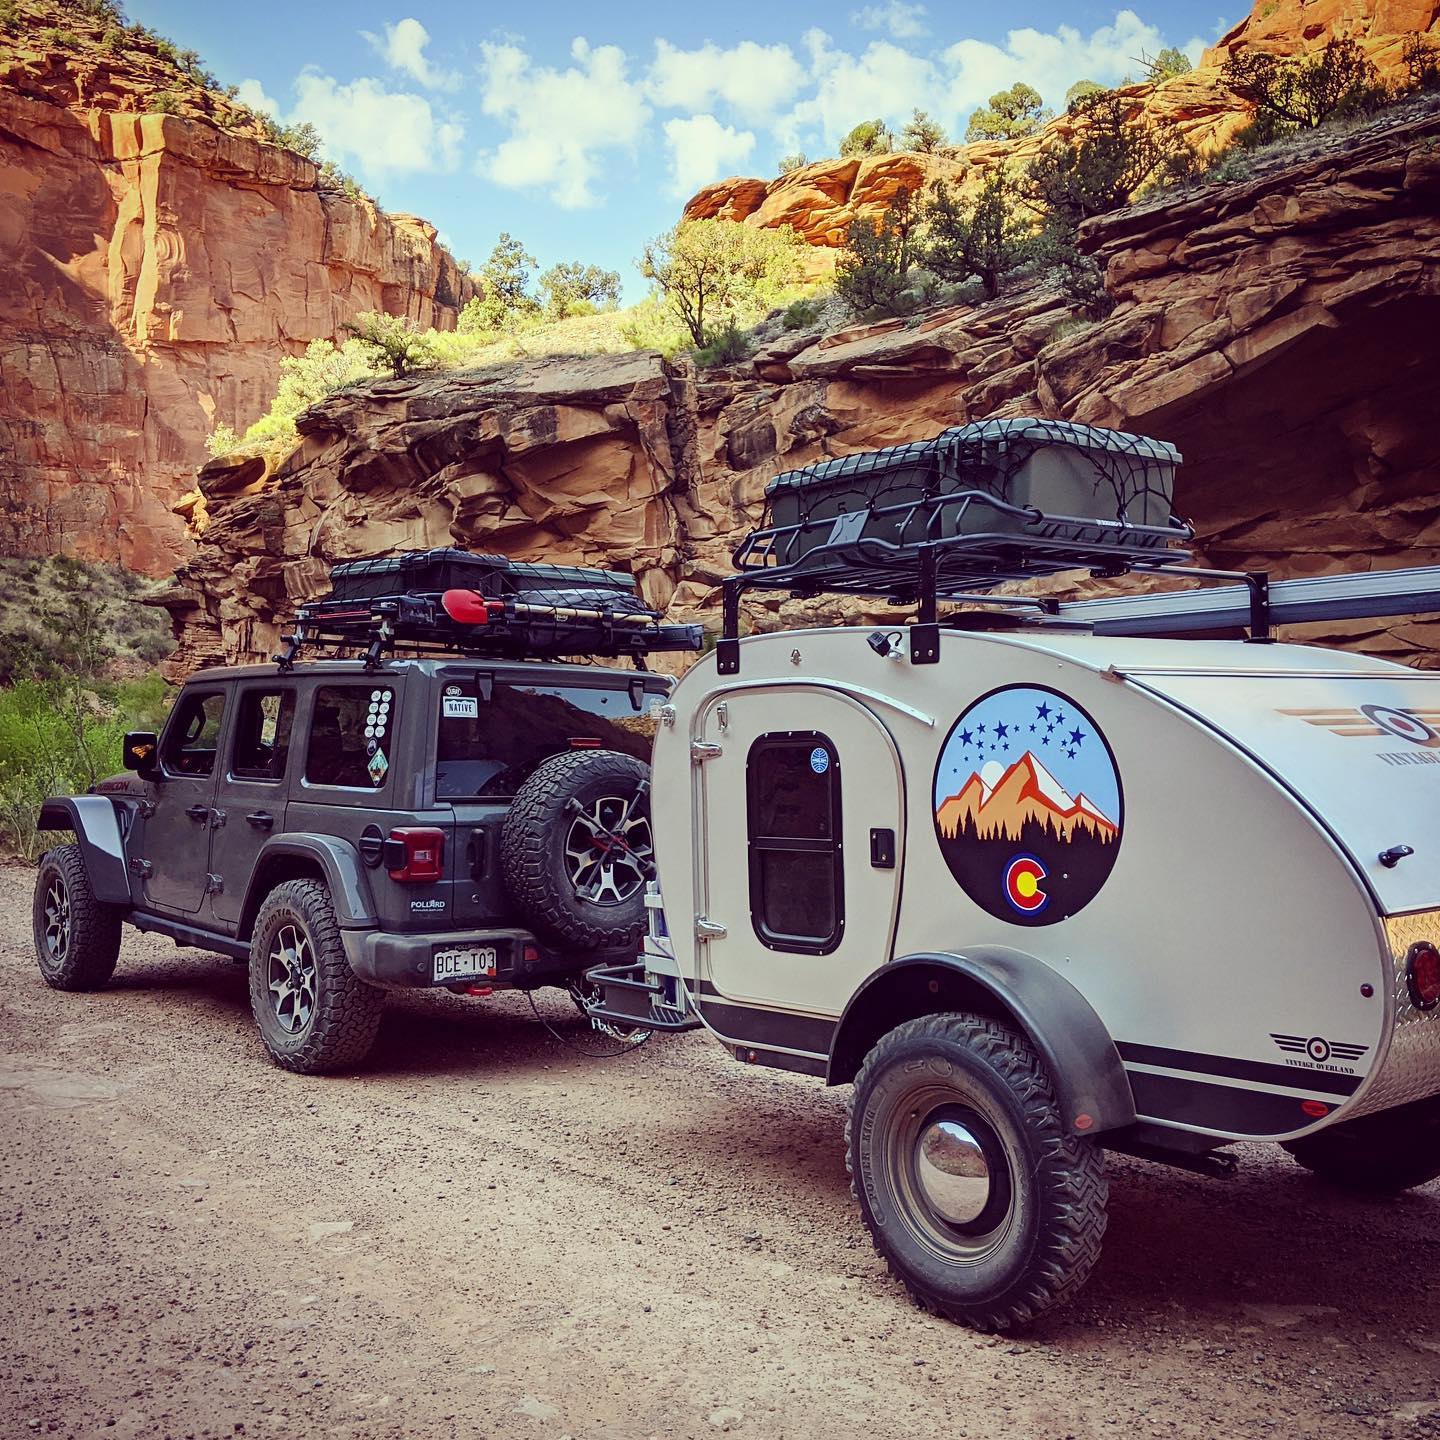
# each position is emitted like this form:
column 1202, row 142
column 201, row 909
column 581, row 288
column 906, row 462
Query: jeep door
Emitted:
column 800, row 831
column 176, row 836
column 250, row 797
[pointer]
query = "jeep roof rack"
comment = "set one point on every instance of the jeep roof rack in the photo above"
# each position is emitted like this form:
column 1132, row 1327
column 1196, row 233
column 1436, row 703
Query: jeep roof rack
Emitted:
column 450, row 602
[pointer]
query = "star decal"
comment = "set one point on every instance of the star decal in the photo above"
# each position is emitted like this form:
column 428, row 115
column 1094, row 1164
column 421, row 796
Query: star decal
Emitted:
column 1076, row 737
column 966, row 737
column 1042, row 712
column 1001, row 731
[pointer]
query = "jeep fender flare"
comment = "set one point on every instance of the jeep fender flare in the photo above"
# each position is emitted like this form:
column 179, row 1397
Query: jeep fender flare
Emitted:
column 1082, row 1060
column 97, row 829
column 338, row 862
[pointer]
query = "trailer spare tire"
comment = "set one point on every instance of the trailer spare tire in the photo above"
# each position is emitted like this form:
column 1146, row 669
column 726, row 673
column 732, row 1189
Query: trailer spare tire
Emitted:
column 576, row 849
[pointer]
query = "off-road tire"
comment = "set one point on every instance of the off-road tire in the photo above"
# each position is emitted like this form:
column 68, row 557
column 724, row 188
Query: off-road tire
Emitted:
column 533, row 842
column 341, row 1025
column 1379, row 1154
column 1051, row 1230
column 87, row 959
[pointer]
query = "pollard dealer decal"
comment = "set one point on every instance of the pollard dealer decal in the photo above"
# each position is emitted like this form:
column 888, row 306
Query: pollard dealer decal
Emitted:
column 1028, row 808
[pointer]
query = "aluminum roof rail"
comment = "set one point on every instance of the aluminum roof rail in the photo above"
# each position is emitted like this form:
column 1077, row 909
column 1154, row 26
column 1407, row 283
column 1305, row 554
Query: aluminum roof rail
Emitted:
column 1369, row 595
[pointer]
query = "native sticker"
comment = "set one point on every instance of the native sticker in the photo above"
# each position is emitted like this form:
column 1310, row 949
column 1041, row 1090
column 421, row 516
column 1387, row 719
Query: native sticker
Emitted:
column 459, row 707
column 1028, row 809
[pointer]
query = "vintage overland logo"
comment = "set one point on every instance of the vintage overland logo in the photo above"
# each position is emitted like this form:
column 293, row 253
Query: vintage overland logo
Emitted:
column 1419, row 727
column 1322, row 1054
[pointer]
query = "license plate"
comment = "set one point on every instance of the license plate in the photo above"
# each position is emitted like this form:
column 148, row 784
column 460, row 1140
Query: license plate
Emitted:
column 464, row 963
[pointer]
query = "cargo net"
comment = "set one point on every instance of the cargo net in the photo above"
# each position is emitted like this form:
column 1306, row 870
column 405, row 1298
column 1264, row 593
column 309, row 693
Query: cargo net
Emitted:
column 453, row 602
column 993, row 501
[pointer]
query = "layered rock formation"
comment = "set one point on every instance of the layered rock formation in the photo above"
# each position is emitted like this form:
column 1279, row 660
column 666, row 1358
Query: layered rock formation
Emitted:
column 154, row 270
column 1282, row 332
column 820, row 201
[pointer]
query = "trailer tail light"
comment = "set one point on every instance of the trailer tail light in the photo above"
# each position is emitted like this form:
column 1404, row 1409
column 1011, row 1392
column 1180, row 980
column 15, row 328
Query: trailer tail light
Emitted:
column 415, row 854
column 1422, row 972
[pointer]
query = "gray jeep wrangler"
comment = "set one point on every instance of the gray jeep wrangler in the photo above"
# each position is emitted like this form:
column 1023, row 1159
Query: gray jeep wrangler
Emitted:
column 466, row 819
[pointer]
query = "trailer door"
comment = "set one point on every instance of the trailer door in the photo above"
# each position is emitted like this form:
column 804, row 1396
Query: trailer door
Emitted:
column 801, row 848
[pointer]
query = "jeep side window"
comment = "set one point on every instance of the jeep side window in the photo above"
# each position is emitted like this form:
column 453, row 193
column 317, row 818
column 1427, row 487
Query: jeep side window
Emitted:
column 797, row 878
column 193, row 733
column 262, row 734
column 350, row 730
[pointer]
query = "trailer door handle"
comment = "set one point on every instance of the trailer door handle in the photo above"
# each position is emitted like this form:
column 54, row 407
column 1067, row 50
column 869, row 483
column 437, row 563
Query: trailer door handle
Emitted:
column 260, row 819
column 198, row 812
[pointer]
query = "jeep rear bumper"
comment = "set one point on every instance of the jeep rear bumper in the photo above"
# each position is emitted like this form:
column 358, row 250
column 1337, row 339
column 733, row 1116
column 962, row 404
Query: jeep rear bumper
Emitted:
column 397, row 961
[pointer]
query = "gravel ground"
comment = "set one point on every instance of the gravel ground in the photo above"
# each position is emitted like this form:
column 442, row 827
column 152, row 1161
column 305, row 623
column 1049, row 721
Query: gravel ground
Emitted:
column 488, row 1234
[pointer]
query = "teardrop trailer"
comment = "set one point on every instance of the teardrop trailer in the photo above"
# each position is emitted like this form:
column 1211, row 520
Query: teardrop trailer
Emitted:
column 1036, row 881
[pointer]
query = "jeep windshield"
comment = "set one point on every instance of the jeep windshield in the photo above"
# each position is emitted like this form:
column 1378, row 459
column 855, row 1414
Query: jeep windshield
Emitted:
column 487, row 747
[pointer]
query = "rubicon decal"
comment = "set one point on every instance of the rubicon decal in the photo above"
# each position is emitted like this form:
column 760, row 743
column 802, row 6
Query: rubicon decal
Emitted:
column 1028, row 805
column 1337, row 1055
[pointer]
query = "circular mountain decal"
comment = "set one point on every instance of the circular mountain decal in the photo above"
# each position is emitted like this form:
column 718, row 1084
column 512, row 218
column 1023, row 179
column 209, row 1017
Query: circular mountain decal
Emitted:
column 1028, row 809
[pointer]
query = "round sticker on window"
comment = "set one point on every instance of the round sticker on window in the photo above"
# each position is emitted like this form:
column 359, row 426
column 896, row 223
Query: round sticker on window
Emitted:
column 1028, row 808
column 819, row 759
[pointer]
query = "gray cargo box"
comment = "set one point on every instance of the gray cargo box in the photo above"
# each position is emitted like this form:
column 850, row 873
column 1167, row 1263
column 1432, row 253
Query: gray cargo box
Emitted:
column 1052, row 466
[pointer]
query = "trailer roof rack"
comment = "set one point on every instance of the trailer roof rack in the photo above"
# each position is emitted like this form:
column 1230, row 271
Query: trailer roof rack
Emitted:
column 452, row 602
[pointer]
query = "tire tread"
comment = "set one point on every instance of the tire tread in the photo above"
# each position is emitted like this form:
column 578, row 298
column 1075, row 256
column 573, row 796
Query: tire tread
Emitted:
column 95, row 926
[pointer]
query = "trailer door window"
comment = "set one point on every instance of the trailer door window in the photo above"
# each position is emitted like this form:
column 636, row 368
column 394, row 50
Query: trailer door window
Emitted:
column 797, row 879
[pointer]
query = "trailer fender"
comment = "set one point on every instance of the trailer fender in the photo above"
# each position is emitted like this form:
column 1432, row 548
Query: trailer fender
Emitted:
column 97, row 829
column 304, row 855
column 1079, row 1054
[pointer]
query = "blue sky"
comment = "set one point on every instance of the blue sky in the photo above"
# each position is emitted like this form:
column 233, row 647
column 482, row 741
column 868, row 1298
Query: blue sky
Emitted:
column 582, row 129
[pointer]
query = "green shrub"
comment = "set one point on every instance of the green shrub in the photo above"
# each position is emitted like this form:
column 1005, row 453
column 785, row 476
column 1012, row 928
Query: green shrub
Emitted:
column 569, row 287
column 1168, row 64
column 713, row 272
column 801, row 314
column 112, row 40
column 1010, row 115
column 872, row 275
column 504, row 301
column 1232, row 166
column 1081, row 90
column 304, row 139
column 1421, row 59
column 653, row 325
column 1308, row 90
column 9, row 13
column 165, row 103
column 392, row 342
column 60, row 39
column 985, row 238
column 796, row 161
column 221, row 440
column 869, row 137
column 729, row 346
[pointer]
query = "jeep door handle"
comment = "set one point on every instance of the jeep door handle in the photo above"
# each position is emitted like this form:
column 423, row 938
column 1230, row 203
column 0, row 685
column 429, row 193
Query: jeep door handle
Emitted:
column 260, row 819
column 198, row 812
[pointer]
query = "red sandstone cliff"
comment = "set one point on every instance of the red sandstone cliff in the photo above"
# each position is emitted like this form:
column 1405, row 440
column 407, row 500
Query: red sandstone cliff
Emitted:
column 1283, row 331
column 154, row 270
column 820, row 201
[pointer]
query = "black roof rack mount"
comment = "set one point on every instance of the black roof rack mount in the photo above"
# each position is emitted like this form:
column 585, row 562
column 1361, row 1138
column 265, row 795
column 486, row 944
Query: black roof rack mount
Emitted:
column 452, row 602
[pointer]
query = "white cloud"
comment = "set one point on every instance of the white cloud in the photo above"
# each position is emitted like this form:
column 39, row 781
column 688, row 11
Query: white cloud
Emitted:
column 380, row 130
column 702, row 150
column 757, row 80
column 902, row 20
column 885, row 80
column 559, row 121
column 403, row 48
column 252, row 93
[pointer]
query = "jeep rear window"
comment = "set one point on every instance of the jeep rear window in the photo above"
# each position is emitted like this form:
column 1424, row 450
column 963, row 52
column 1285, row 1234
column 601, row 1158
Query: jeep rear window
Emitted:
column 487, row 748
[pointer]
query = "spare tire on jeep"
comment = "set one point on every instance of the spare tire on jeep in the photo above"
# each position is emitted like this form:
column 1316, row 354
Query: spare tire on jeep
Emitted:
column 576, row 849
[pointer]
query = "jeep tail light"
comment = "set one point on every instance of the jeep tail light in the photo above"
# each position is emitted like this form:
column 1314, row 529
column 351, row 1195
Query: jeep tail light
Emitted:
column 415, row 854
column 1422, row 971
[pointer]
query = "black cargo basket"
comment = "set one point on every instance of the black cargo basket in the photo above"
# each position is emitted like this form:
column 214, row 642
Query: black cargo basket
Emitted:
column 998, row 499
column 509, row 609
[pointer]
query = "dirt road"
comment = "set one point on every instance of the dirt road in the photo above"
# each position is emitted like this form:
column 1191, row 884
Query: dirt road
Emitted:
column 486, row 1234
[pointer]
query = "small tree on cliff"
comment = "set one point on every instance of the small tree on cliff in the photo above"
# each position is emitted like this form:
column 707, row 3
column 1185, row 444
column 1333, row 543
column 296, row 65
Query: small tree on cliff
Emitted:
column 1307, row 91
column 1010, row 115
column 984, row 238
column 922, row 133
column 710, row 270
column 1168, row 64
column 872, row 273
column 1079, row 91
column 393, row 343
column 504, row 285
column 869, row 137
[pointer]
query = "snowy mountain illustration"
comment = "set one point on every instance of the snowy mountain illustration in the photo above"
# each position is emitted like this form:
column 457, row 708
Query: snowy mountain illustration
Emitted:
column 1026, row 793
